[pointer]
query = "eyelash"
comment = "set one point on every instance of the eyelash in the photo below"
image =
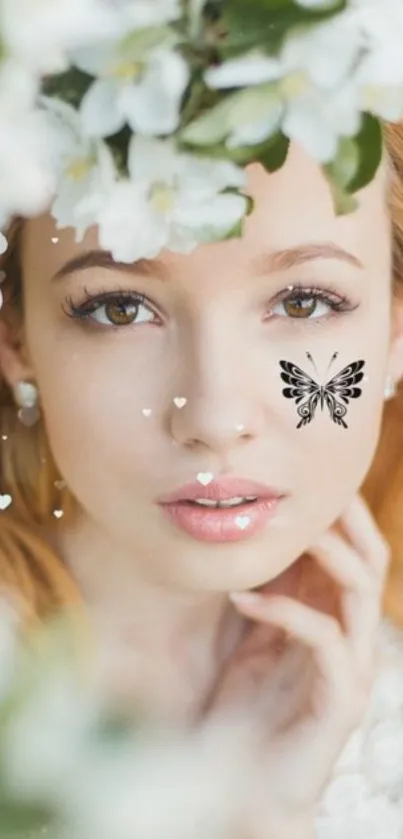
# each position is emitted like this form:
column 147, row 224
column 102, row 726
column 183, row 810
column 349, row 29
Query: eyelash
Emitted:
column 339, row 304
column 91, row 303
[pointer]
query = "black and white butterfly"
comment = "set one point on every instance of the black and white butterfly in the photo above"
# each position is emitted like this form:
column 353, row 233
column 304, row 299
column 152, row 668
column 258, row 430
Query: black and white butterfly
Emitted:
column 307, row 392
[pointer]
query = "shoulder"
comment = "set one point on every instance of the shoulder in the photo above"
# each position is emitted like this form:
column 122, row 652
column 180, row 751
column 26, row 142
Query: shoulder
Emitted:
column 364, row 799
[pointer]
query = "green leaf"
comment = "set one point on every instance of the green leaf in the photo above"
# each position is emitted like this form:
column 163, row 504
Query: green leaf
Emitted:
column 369, row 142
column 194, row 15
column 244, row 106
column 355, row 164
column 272, row 154
column 18, row 820
column 69, row 86
column 343, row 169
column 250, row 205
column 264, row 23
column 343, row 202
column 141, row 41
column 235, row 233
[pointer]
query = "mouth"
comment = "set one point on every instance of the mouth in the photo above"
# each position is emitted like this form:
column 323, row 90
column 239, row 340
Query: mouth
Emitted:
column 214, row 513
column 228, row 504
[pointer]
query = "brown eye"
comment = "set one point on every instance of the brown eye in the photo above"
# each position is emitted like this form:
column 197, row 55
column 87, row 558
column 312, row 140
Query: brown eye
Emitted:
column 121, row 313
column 299, row 307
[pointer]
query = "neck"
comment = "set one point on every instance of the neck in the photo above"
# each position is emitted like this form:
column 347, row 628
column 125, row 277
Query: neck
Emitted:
column 160, row 645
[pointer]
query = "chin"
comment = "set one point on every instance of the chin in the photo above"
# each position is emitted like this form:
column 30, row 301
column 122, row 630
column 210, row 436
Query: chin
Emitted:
column 223, row 568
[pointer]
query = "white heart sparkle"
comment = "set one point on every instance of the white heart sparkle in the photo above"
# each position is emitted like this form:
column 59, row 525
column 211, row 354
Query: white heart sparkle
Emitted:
column 180, row 401
column 4, row 436
column 205, row 478
column 147, row 412
column 5, row 501
column 242, row 522
column 55, row 240
column 240, row 427
column 58, row 514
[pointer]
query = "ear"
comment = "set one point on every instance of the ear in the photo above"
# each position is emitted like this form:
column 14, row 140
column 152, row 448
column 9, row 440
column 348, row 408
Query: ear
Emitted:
column 13, row 363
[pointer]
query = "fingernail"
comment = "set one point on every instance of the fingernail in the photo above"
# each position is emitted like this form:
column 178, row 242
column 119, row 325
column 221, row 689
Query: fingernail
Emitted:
column 245, row 598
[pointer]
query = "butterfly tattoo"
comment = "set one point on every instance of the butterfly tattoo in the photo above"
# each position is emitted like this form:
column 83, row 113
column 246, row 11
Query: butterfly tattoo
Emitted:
column 308, row 393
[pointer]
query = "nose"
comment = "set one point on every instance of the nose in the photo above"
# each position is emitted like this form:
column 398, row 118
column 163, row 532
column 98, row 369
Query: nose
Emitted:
column 220, row 407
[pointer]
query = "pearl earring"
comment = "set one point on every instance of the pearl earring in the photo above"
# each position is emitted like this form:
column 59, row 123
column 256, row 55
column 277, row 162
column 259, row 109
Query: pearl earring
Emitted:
column 26, row 395
column 390, row 388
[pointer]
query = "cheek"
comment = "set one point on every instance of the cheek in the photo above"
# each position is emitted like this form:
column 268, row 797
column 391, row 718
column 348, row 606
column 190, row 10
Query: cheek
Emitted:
column 96, row 396
column 330, row 462
column 334, row 461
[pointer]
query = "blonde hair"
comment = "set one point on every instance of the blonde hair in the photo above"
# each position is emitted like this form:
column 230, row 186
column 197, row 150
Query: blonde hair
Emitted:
column 28, row 473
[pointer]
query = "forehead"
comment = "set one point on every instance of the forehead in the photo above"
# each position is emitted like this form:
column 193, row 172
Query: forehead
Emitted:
column 292, row 207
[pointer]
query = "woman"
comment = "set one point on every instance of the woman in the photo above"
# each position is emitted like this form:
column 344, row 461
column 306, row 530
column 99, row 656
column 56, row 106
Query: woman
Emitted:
column 138, row 397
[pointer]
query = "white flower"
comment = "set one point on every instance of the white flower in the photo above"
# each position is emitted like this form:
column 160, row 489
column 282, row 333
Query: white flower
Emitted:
column 317, row 120
column 26, row 181
column 83, row 167
column 253, row 68
column 311, row 97
column 26, row 177
column 379, row 74
column 19, row 87
column 40, row 34
column 171, row 200
column 324, row 54
column 143, row 88
column 138, row 14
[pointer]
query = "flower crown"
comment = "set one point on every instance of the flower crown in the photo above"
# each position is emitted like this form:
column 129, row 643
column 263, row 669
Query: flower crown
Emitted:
column 139, row 116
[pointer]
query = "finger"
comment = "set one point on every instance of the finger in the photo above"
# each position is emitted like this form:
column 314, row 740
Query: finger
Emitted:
column 250, row 666
column 320, row 632
column 361, row 594
column 360, row 527
column 342, row 562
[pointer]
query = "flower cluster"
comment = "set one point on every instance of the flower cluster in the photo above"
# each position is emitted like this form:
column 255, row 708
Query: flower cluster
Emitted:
column 140, row 116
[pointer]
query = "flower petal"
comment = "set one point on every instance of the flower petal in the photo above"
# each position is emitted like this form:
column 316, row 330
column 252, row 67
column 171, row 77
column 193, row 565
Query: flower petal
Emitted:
column 99, row 110
column 127, row 226
column 251, row 69
column 252, row 133
column 150, row 159
column 211, row 218
column 153, row 105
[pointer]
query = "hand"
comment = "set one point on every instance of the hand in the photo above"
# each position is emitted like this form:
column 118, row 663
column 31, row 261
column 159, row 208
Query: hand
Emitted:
column 300, row 680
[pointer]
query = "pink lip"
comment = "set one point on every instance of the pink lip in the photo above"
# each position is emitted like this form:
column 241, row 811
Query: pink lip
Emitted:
column 222, row 525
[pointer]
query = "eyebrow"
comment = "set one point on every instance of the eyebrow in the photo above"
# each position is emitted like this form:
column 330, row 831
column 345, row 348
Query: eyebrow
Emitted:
column 278, row 260
column 104, row 259
column 283, row 260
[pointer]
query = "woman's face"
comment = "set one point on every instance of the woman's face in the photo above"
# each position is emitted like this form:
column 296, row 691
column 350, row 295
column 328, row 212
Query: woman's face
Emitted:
column 187, row 388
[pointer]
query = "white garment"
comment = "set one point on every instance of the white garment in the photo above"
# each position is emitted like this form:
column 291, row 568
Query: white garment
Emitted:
column 364, row 799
